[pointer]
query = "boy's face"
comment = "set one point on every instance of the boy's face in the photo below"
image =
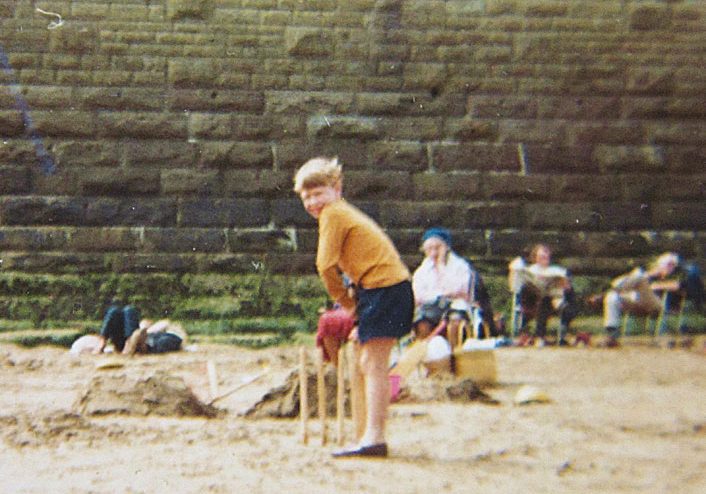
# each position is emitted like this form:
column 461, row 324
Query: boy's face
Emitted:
column 315, row 198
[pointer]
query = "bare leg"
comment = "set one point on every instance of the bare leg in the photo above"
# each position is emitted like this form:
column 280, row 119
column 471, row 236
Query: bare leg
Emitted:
column 375, row 357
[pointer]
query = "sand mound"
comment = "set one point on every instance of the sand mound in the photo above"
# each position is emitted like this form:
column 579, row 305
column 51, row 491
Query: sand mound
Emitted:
column 442, row 387
column 283, row 401
column 159, row 394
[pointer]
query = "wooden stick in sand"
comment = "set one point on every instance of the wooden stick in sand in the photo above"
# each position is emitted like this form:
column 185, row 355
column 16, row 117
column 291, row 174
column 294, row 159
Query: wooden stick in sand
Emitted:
column 357, row 390
column 303, row 396
column 340, row 393
column 212, row 378
column 321, row 391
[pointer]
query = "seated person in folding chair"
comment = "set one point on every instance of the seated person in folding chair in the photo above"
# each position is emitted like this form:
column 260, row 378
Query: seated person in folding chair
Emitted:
column 635, row 293
column 682, row 293
column 545, row 289
column 692, row 290
column 444, row 286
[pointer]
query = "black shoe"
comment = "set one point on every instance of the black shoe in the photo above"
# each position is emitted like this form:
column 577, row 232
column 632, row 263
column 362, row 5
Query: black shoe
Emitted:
column 374, row 451
column 563, row 342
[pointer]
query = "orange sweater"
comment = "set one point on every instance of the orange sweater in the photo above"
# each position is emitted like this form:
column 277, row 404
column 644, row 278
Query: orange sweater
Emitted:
column 353, row 243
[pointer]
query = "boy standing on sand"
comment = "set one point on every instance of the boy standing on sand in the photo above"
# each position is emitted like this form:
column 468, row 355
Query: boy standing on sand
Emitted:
column 352, row 243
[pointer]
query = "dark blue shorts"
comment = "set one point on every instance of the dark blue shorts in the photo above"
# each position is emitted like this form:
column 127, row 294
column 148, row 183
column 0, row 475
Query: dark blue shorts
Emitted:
column 385, row 312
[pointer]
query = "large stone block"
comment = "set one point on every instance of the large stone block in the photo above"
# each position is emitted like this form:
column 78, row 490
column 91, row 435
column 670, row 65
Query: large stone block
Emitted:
column 34, row 239
column 119, row 182
column 579, row 108
column 469, row 129
column 17, row 152
column 265, row 241
column 210, row 126
column 682, row 159
column 352, row 153
column 11, row 123
column 65, row 123
column 41, row 211
column 110, row 239
column 582, row 187
column 190, row 73
column 411, row 104
column 512, row 107
column 395, row 155
column 512, row 187
column 104, row 211
column 563, row 216
column 342, row 127
column 45, row 97
column 195, row 240
column 686, row 132
column 73, row 38
column 14, row 180
column 492, row 215
column 209, row 213
column 228, row 154
column 623, row 216
column 378, row 185
column 117, row 99
column 162, row 153
column 191, row 182
column 475, row 157
column 639, row 159
column 606, row 133
column 257, row 183
column 82, row 153
column 650, row 17
column 610, row 244
column 308, row 42
column 178, row 10
column 650, row 80
column 449, row 186
column 218, row 100
column 404, row 214
column 299, row 102
column 690, row 216
column 142, row 125
column 540, row 158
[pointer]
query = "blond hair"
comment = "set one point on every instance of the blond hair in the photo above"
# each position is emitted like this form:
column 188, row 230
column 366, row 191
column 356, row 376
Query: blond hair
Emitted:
column 318, row 172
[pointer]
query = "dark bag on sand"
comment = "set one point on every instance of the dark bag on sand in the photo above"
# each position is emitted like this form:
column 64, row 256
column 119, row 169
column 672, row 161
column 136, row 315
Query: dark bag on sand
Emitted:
column 163, row 343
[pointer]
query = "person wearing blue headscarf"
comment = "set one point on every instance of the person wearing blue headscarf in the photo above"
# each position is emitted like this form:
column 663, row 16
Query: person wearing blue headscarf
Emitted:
column 442, row 282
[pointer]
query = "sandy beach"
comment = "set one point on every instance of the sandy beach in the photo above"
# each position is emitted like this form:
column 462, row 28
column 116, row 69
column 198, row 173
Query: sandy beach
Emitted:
column 626, row 420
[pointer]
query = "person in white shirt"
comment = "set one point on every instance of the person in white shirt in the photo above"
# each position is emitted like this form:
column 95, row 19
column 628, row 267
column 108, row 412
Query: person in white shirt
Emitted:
column 441, row 284
column 547, row 291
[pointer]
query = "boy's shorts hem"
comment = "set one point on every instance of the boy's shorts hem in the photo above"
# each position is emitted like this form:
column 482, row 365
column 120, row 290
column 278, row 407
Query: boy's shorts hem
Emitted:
column 385, row 312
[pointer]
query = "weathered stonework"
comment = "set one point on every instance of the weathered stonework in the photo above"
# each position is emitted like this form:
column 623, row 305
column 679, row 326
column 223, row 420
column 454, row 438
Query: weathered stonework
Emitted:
column 175, row 127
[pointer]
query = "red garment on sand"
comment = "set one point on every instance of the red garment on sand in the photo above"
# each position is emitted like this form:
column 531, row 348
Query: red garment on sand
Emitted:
column 335, row 323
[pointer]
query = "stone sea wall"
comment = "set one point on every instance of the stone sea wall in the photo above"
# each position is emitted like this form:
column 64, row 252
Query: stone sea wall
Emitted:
column 146, row 137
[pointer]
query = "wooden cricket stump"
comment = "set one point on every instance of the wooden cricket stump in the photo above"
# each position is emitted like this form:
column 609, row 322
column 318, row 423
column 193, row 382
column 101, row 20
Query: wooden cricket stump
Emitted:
column 357, row 395
column 303, row 397
column 321, row 392
column 357, row 390
column 340, row 397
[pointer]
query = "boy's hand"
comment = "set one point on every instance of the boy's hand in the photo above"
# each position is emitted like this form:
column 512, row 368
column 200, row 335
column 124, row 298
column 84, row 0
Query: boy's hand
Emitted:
column 353, row 335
